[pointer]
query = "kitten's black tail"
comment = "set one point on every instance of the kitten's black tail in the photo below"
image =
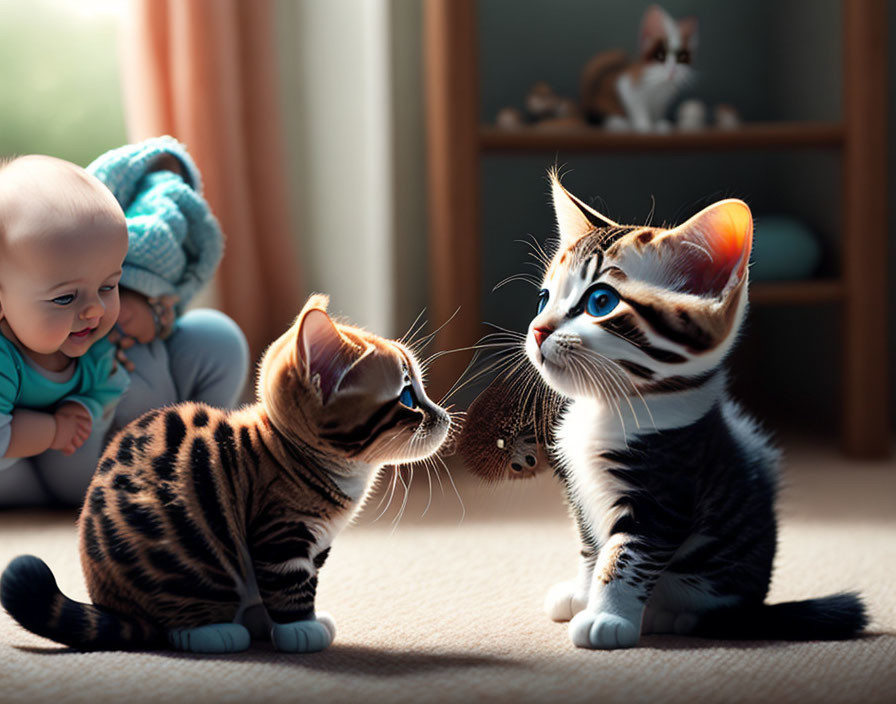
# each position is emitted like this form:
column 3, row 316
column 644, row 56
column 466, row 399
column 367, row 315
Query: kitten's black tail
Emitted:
column 834, row 617
column 29, row 593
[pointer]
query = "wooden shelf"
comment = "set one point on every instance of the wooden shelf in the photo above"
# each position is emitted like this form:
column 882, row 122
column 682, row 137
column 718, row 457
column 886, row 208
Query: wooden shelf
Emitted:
column 767, row 293
column 767, row 135
column 456, row 143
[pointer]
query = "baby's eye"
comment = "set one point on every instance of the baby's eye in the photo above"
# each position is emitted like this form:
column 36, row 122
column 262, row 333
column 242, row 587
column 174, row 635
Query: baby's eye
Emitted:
column 64, row 300
column 107, row 289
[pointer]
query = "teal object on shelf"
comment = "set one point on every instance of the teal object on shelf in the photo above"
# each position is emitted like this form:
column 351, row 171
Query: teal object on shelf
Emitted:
column 784, row 248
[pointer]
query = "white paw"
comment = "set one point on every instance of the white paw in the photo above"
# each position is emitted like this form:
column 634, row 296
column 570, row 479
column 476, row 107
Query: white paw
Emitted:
column 563, row 601
column 603, row 631
column 309, row 636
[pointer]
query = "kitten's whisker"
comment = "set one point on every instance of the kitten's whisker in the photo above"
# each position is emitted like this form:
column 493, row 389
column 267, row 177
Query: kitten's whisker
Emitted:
column 394, row 483
column 437, row 355
column 462, row 383
column 407, row 338
column 536, row 250
column 602, row 366
column 603, row 385
column 506, row 363
column 652, row 210
column 518, row 277
column 423, row 342
column 404, row 502
column 626, row 378
column 383, row 497
column 463, row 508
column 426, row 466
column 438, row 478
column 503, row 336
column 500, row 361
column 514, row 333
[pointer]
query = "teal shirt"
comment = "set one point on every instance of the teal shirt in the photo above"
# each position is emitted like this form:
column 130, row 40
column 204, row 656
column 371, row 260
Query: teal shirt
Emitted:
column 93, row 384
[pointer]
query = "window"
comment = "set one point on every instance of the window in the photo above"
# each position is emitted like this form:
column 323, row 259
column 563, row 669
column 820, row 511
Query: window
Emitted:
column 61, row 89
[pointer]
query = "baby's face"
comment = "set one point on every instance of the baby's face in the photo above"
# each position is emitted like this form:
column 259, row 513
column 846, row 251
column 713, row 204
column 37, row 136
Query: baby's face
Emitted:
column 61, row 294
column 64, row 242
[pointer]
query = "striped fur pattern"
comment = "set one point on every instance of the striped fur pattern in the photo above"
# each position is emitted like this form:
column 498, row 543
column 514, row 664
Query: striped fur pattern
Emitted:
column 199, row 516
column 671, row 485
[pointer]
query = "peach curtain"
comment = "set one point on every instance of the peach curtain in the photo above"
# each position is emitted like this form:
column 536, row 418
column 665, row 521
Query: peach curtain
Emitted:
column 204, row 71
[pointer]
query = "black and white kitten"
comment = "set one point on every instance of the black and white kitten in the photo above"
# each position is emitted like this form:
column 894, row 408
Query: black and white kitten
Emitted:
column 671, row 484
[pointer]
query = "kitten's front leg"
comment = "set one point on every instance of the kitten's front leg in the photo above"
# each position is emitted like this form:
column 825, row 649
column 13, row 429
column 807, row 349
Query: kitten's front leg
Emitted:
column 288, row 591
column 304, row 636
column 565, row 599
column 627, row 568
column 635, row 105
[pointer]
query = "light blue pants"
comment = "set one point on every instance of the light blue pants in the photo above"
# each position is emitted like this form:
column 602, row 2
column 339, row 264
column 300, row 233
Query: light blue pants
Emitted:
column 205, row 359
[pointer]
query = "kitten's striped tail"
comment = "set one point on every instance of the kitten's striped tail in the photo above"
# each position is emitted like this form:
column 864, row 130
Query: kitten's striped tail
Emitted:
column 834, row 617
column 29, row 593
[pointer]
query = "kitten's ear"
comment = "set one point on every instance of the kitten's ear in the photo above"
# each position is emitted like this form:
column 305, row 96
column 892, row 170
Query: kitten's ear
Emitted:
column 574, row 218
column 688, row 28
column 654, row 25
column 711, row 251
column 325, row 356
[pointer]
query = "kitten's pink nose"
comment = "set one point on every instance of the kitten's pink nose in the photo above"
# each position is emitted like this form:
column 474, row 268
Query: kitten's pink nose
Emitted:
column 541, row 334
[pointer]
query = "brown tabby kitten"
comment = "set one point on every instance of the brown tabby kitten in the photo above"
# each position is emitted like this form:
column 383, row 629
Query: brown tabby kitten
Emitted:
column 206, row 528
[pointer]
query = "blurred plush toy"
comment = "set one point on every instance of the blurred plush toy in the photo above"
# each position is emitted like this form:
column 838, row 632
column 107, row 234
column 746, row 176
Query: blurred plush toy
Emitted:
column 691, row 115
column 510, row 118
column 543, row 108
column 504, row 438
column 727, row 117
column 634, row 95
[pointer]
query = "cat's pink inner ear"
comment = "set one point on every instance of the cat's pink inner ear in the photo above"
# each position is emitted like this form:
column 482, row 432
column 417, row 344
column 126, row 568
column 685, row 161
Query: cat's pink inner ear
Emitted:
column 688, row 28
column 326, row 355
column 713, row 247
column 653, row 27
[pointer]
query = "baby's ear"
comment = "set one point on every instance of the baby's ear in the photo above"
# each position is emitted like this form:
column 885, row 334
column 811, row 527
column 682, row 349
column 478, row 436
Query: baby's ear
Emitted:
column 324, row 355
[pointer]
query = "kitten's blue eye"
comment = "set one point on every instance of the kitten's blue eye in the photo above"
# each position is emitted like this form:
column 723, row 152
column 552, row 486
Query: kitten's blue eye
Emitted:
column 407, row 397
column 601, row 300
column 543, row 297
column 64, row 300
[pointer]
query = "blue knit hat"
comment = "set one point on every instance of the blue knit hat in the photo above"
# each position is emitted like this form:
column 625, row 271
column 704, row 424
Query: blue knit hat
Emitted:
column 174, row 242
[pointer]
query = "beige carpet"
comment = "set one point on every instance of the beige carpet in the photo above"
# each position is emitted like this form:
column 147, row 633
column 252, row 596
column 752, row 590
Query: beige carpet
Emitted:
column 444, row 610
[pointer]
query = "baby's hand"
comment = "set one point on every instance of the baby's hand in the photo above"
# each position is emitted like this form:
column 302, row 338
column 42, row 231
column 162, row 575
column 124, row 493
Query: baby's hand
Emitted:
column 141, row 319
column 135, row 324
column 73, row 426
column 136, row 320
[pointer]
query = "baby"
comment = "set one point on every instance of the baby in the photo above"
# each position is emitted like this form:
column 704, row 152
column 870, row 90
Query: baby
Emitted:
column 63, row 239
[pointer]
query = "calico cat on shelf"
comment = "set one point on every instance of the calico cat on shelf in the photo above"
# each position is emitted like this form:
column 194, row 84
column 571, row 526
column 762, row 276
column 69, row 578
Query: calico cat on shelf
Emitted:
column 671, row 484
column 204, row 528
column 634, row 95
